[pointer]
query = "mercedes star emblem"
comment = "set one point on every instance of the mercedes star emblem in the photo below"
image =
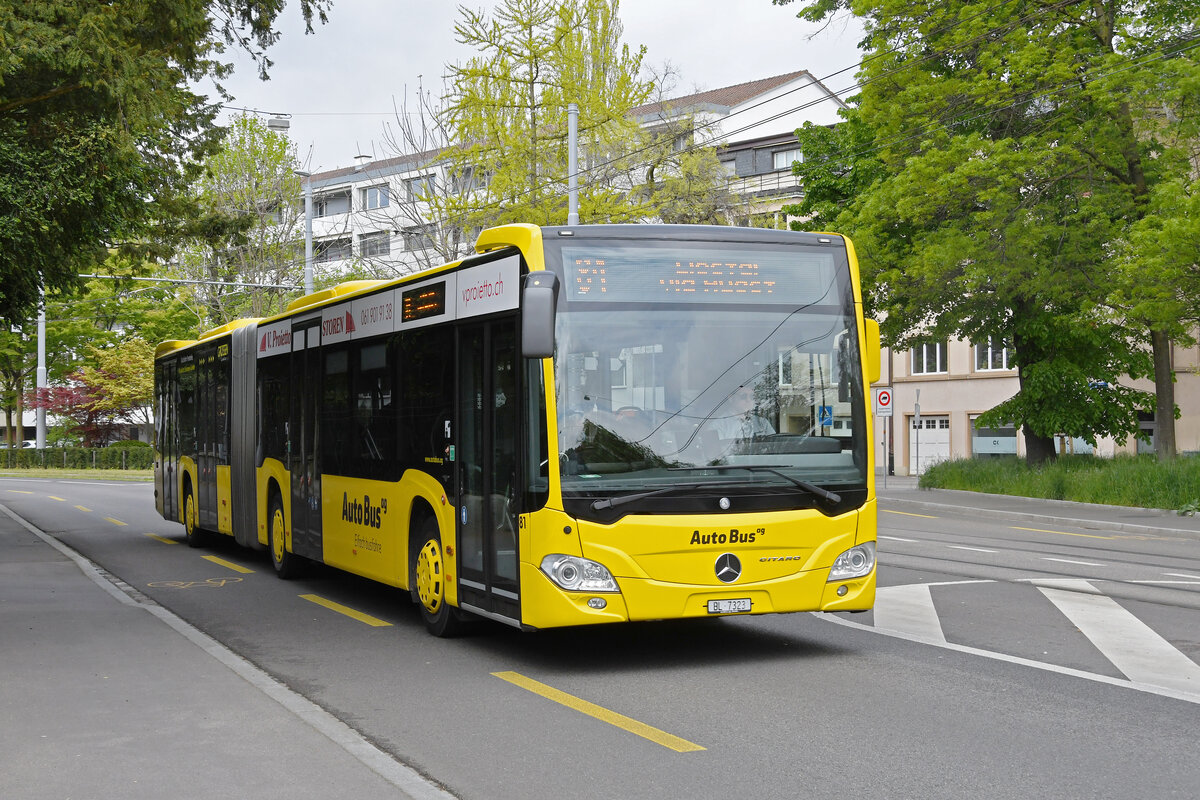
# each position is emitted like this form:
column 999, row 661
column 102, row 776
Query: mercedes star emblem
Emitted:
column 729, row 569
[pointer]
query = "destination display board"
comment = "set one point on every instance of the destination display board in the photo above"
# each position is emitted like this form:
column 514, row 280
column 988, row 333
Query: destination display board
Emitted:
column 698, row 273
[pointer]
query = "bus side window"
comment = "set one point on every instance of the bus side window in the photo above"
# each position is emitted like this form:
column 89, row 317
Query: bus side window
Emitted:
column 335, row 454
column 426, row 385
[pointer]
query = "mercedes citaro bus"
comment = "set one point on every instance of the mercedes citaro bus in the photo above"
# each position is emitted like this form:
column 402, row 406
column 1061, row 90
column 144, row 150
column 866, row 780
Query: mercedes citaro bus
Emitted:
column 575, row 425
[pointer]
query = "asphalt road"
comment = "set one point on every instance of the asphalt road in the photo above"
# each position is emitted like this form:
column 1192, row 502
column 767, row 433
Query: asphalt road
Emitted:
column 1002, row 660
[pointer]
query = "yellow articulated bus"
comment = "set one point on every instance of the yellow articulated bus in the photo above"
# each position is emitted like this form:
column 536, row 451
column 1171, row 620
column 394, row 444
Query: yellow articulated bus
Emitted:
column 575, row 425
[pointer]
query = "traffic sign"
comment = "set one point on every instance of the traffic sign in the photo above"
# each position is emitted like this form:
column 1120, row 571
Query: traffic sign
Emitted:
column 883, row 402
column 825, row 419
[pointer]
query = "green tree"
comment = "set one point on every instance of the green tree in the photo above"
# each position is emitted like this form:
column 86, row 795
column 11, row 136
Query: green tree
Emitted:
column 1158, row 270
column 507, row 112
column 104, row 315
column 16, row 365
column 249, row 193
column 100, row 133
column 1012, row 164
column 122, row 381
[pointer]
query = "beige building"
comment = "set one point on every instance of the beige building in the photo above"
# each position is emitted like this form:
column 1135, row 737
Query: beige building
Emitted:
column 956, row 381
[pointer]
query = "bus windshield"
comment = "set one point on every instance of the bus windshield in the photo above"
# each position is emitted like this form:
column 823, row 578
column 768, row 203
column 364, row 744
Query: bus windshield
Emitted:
column 735, row 369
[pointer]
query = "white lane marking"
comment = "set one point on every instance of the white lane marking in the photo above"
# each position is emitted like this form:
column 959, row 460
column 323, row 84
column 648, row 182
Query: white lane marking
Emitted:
column 1130, row 644
column 1066, row 584
column 1161, row 691
column 1069, row 561
column 908, row 609
column 973, row 549
column 1181, row 575
column 900, row 539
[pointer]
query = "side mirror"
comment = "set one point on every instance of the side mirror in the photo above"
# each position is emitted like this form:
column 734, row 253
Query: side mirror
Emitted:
column 539, row 305
column 872, row 354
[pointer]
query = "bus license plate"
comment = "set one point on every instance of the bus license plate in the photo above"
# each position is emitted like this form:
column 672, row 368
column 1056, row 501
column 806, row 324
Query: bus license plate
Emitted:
column 738, row 606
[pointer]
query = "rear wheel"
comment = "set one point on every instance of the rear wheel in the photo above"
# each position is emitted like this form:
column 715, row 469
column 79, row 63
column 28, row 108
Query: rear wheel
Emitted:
column 195, row 536
column 429, row 585
column 286, row 564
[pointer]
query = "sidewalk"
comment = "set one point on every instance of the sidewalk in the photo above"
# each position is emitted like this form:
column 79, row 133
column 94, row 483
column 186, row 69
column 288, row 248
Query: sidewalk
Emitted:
column 105, row 694
column 902, row 493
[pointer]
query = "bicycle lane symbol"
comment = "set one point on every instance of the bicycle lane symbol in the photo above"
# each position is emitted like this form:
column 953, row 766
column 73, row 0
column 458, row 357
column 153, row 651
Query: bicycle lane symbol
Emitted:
column 208, row 583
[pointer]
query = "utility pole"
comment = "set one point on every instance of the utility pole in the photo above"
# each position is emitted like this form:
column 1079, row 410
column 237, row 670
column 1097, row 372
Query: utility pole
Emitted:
column 572, row 164
column 41, row 372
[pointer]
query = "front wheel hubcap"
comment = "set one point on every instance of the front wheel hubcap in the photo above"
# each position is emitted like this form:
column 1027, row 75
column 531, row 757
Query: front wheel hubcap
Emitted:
column 429, row 576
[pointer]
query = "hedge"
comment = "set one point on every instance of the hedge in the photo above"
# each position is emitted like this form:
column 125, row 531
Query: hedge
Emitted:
column 77, row 458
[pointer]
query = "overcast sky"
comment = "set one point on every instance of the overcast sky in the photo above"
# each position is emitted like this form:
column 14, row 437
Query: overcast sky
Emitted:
column 340, row 86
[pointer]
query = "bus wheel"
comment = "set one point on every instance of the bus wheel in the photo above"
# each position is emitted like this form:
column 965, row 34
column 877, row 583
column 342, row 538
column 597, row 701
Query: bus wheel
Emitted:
column 286, row 564
column 430, row 570
column 195, row 537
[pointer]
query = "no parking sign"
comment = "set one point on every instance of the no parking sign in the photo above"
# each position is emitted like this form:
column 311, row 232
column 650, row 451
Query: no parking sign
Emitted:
column 883, row 401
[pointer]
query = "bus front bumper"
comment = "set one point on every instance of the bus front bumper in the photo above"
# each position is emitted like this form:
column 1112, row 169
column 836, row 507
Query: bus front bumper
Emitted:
column 545, row 605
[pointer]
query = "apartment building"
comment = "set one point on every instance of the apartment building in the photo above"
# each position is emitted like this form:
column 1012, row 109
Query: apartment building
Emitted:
column 370, row 216
column 753, row 126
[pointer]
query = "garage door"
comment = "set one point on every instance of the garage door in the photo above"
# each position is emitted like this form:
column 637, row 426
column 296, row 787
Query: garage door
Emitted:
column 931, row 439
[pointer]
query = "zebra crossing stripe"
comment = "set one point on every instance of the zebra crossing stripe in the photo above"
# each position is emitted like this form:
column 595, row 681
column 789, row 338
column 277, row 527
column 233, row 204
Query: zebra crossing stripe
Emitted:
column 1131, row 645
column 908, row 609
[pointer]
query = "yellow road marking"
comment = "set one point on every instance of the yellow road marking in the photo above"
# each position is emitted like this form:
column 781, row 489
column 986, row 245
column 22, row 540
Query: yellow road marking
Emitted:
column 905, row 513
column 117, row 522
column 162, row 539
column 59, row 499
column 1064, row 533
column 84, row 508
column 18, row 491
column 229, row 565
column 374, row 622
column 600, row 713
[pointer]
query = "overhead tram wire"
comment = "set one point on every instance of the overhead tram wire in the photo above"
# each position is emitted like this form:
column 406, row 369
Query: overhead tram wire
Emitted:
column 1067, row 86
column 496, row 205
column 239, row 284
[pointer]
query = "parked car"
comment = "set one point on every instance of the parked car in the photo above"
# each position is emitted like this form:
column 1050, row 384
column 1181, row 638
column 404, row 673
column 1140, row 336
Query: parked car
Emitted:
column 28, row 443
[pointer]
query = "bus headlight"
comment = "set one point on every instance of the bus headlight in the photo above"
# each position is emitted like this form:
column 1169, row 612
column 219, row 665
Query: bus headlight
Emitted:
column 854, row 563
column 578, row 574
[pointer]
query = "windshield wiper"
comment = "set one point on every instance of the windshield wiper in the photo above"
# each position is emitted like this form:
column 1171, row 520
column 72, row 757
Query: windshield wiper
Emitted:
column 831, row 497
column 620, row 500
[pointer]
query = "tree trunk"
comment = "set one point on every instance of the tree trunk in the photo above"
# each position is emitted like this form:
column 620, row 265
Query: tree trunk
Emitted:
column 1164, row 396
column 1039, row 449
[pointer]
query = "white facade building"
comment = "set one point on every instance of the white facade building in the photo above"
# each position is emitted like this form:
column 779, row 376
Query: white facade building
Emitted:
column 370, row 214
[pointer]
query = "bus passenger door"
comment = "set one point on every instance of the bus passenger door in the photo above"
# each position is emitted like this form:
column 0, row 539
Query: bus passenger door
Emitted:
column 303, row 441
column 488, row 492
column 206, row 454
column 168, row 442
